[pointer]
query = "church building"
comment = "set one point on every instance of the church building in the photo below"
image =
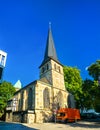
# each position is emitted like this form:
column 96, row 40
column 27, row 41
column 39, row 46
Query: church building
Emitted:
column 39, row 100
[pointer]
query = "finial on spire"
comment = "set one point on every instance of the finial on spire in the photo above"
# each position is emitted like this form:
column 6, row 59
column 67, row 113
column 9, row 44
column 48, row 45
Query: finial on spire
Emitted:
column 49, row 25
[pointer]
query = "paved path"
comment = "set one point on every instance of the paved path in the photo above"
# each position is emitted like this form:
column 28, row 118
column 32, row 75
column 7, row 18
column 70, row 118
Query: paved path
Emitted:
column 82, row 125
column 70, row 126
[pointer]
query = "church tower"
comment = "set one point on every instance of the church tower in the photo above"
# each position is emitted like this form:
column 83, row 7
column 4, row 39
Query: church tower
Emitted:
column 51, row 69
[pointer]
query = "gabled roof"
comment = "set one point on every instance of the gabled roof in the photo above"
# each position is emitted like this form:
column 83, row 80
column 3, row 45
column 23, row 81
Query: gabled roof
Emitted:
column 50, row 51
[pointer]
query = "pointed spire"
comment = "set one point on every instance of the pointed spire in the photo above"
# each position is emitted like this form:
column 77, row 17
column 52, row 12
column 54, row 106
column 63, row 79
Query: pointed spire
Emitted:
column 50, row 51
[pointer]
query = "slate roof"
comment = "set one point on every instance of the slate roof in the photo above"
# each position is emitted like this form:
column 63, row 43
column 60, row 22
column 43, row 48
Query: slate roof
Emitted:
column 50, row 51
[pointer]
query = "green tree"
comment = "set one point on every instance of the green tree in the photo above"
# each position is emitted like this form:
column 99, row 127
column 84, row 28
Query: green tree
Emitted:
column 94, row 71
column 89, row 89
column 6, row 92
column 73, row 82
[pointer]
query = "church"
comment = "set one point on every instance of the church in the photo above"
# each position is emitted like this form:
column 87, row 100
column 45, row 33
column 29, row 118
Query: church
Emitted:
column 40, row 99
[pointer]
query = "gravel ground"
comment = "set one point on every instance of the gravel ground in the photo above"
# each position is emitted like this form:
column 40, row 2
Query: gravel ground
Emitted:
column 81, row 125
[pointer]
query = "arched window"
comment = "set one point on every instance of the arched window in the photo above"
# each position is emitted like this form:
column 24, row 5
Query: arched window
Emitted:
column 30, row 95
column 46, row 98
column 60, row 99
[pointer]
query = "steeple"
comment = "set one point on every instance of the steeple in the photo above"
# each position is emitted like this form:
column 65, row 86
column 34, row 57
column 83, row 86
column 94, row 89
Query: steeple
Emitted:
column 50, row 52
column 51, row 70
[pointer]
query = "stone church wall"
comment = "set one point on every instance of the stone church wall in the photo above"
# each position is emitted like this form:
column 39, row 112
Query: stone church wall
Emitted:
column 9, row 116
column 24, row 117
column 57, row 75
column 43, row 116
column 17, row 117
column 60, row 97
column 30, row 118
column 40, row 87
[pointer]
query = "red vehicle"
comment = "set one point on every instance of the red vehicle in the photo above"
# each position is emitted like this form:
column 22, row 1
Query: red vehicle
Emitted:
column 67, row 115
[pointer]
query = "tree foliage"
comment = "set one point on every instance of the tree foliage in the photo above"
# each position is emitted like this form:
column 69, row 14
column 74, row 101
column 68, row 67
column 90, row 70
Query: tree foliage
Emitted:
column 73, row 82
column 87, row 92
column 89, row 89
column 94, row 70
column 6, row 92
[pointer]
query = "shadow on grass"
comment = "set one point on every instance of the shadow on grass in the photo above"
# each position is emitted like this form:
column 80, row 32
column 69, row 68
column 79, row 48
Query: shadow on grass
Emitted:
column 14, row 126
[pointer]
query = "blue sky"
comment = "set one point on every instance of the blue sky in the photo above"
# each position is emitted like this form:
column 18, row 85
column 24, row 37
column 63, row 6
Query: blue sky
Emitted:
column 23, row 33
